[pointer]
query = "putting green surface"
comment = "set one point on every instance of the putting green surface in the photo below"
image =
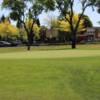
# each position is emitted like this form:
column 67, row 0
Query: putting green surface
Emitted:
column 50, row 54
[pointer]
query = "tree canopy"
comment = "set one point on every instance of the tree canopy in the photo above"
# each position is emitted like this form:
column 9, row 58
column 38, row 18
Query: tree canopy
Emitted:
column 62, row 25
column 87, row 21
column 66, row 7
column 22, row 10
column 6, row 29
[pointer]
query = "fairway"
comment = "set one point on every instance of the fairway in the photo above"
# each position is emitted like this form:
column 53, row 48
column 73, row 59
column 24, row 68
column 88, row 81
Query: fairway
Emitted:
column 50, row 54
column 50, row 75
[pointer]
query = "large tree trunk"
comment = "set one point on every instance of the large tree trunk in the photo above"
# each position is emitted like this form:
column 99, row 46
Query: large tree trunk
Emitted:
column 30, row 40
column 73, row 40
column 29, row 44
column 29, row 48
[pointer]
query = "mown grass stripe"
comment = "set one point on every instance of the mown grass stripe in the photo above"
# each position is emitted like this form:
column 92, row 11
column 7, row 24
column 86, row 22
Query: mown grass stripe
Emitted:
column 50, row 54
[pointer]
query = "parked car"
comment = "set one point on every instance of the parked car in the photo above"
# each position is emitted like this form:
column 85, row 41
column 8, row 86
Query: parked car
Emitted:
column 14, row 43
column 4, row 44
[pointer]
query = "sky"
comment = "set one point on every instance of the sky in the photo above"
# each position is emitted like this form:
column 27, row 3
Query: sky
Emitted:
column 93, row 15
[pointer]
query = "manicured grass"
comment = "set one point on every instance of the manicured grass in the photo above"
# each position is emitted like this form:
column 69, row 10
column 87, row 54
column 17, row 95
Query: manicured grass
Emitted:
column 48, row 74
column 50, row 79
column 54, row 47
column 49, row 54
column 38, row 48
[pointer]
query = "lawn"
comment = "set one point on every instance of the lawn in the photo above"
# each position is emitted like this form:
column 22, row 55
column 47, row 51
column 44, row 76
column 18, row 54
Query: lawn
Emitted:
column 49, row 74
column 51, row 47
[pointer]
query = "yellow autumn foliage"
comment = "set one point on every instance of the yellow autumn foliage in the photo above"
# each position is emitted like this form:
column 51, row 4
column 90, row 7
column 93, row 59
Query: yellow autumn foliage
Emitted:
column 6, row 29
column 36, row 28
column 65, row 26
column 36, row 31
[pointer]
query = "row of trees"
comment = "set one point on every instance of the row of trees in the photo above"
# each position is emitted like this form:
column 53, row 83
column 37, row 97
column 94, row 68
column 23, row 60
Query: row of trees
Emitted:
column 57, row 31
column 29, row 10
column 8, row 31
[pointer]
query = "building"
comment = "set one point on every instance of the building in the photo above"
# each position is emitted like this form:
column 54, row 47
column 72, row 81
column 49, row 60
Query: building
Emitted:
column 90, row 34
column 93, row 33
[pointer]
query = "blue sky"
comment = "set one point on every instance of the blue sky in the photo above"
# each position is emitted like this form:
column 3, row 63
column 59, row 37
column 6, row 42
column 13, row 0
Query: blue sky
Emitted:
column 94, row 16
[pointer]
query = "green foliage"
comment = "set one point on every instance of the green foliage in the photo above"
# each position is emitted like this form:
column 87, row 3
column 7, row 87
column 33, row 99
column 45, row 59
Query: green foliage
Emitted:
column 14, row 15
column 98, row 6
column 63, row 6
column 37, row 8
column 87, row 21
column 47, row 4
column 22, row 10
column 2, row 19
column 66, row 7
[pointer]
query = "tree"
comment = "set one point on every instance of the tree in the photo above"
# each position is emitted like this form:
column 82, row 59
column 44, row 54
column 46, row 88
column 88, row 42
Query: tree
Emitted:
column 66, row 8
column 66, row 26
column 22, row 10
column 63, row 27
column 87, row 21
column 97, row 4
column 2, row 19
column 43, row 30
column 6, row 29
column 36, row 27
column 60, row 23
column 22, row 32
